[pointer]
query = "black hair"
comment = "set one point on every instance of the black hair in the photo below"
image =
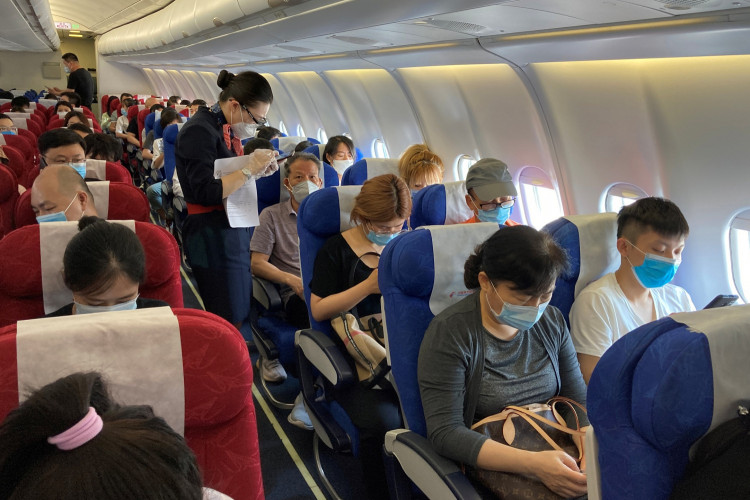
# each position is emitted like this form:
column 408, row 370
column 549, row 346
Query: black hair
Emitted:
column 78, row 114
column 267, row 133
column 333, row 144
column 248, row 87
column 135, row 455
column 156, row 107
column 129, row 101
column 99, row 254
column 103, row 147
column 75, row 98
column 529, row 259
column 298, row 157
column 20, row 102
column 3, row 116
column 168, row 116
column 58, row 137
column 198, row 102
column 69, row 56
column 6, row 94
column 63, row 103
column 657, row 214
column 173, row 99
column 185, row 102
column 256, row 143
column 301, row 146
column 81, row 127
column 126, row 95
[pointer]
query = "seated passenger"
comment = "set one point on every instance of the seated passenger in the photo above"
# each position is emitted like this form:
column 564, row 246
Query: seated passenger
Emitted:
column 103, row 265
column 492, row 193
column 61, row 145
column 121, row 128
column 650, row 239
column 7, row 127
column 275, row 247
column 74, row 98
column 379, row 212
column 301, row 146
column 197, row 103
column 267, row 133
column 63, row 107
column 168, row 117
column 20, row 104
column 339, row 153
column 185, row 102
column 173, row 100
column 419, row 167
column 75, row 117
column 503, row 345
column 256, row 143
column 59, row 193
column 81, row 129
column 103, row 147
column 87, row 446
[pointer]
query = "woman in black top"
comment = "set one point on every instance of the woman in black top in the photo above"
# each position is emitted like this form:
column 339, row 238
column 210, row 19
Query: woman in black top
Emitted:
column 103, row 265
column 345, row 276
column 218, row 253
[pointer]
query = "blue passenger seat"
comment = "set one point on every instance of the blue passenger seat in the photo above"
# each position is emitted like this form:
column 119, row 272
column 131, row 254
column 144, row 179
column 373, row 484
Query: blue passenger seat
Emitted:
column 440, row 204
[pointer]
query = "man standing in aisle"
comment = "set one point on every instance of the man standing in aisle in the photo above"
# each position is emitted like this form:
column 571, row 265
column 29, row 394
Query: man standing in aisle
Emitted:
column 79, row 80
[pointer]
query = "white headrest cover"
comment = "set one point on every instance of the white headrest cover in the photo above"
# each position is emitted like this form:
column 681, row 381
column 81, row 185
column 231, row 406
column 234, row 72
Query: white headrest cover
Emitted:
column 456, row 210
column 346, row 204
column 20, row 116
column 96, row 169
column 381, row 166
column 139, row 353
column 451, row 246
column 2, row 140
column 728, row 332
column 53, row 238
column 100, row 192
column 20, row 123
column 597, row 234
column 47, row 102
column 287, row 144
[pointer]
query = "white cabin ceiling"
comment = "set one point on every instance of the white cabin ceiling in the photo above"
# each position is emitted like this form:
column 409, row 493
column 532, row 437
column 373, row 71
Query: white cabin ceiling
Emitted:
column 101, row 16
column 26, row 25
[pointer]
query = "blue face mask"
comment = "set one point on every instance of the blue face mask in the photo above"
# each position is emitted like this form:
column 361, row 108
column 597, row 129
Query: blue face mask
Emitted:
column 8, row 132
column 656, row 271
column 55, row 216
column 520, row 317
column 80, row 168
column 381, row 239
column 130, row 305
column 498, row 215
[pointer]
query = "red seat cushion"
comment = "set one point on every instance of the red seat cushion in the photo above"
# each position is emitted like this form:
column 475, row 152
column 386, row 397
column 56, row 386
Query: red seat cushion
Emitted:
column 21, row 295
column 16, row 163
column 8, row 197
column 220, row 424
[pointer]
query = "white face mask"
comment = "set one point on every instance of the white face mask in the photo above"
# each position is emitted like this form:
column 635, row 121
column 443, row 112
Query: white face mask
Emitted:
column 242, row 130
column 301, row 190
column 66, row 69
column 341, row 165
column 123, row 306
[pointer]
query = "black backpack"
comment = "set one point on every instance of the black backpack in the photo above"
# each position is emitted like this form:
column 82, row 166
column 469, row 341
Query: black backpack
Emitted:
column 720, row 468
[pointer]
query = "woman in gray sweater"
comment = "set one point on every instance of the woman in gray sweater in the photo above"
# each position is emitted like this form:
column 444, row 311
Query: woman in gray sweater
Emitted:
column 502, row 346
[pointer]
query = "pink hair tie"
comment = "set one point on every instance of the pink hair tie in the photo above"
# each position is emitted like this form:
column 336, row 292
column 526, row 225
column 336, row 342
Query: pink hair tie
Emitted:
column 81, row 433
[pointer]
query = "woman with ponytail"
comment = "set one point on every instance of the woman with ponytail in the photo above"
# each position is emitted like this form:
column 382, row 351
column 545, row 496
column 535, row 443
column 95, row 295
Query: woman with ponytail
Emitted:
column 419, row 167
column 503, row 345
column 70, row 441
column 219, row 254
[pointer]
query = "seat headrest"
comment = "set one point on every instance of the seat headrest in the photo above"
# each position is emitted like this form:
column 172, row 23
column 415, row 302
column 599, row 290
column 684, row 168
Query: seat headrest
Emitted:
column 327, row 211
column 440, row 204
column 271, row 189
column 287, row 144
column 170, row 133
column 148, row 123
column 96, row 169
column 368, row 168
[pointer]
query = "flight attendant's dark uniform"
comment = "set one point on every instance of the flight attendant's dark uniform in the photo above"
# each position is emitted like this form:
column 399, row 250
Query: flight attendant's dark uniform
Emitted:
column 218, row 254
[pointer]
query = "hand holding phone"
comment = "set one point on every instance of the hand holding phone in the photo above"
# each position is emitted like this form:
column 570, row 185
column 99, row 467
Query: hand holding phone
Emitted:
column 721, row 301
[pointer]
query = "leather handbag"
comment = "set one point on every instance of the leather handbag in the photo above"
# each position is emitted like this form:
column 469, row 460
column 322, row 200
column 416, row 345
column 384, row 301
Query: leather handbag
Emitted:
column 536, row 427
column 361, row 344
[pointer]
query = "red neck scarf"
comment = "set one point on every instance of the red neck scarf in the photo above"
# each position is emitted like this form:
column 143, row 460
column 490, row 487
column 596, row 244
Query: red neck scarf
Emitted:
column 233, row 143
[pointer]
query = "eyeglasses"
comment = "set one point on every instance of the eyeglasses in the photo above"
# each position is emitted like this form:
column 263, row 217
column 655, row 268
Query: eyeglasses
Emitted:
column 263, row 121
column 502, row 204
column 387, row 229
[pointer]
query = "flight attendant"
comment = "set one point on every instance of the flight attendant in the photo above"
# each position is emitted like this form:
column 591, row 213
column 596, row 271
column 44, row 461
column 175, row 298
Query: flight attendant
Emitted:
column 218, row 253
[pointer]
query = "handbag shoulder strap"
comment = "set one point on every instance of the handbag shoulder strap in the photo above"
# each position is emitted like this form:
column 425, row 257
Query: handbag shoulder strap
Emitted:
column 352, row 271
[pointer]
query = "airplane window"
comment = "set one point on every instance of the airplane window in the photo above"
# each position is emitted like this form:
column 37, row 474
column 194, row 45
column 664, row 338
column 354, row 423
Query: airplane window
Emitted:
column 621, row 195
column 379, row 150
column 463, row 163
column 300, row 131
column 540, row 201
column 739, row 245
column 282, row 127
column 322, row 137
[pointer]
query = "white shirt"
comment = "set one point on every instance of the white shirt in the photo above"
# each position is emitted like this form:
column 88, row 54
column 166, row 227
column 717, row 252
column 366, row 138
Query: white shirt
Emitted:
column 122, row 125
column 601, row 313
column 158, row 148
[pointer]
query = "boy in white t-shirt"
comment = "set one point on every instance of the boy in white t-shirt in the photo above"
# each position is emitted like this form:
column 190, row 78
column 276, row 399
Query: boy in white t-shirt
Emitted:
column 650, row 238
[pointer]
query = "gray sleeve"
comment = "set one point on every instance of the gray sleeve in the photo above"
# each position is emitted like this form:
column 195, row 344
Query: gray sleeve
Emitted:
column 571, row 381
column 264, row 236
column 443, row 372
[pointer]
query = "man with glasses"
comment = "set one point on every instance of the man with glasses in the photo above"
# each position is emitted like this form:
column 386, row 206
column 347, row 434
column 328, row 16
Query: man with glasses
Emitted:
column 63, row 146
column 7, row 127
column 492, row 193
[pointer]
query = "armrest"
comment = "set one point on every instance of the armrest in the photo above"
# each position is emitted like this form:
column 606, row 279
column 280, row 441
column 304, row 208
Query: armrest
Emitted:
column 435, row 475
column 320, row 351
column 266, row 294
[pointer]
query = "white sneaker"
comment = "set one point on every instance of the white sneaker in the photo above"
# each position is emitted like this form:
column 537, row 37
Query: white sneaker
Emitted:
column 298, row 417
column 271, row 370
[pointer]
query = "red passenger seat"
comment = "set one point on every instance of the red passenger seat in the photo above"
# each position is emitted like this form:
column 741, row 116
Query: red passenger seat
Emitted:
column 8, row 197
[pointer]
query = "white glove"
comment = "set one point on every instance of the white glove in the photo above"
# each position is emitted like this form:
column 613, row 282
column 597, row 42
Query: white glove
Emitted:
column 262, row 163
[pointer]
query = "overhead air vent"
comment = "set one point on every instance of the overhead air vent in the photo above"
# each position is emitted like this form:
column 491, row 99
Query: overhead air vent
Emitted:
column 457, row 26
column 185, row 34
column 218, row 22
column 254, row 54
column 357, row 40
column 683, row 4
column 296, row 48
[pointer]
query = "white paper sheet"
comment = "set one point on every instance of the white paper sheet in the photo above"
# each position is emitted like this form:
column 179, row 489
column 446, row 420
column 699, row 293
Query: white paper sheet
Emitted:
column 242, row 205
